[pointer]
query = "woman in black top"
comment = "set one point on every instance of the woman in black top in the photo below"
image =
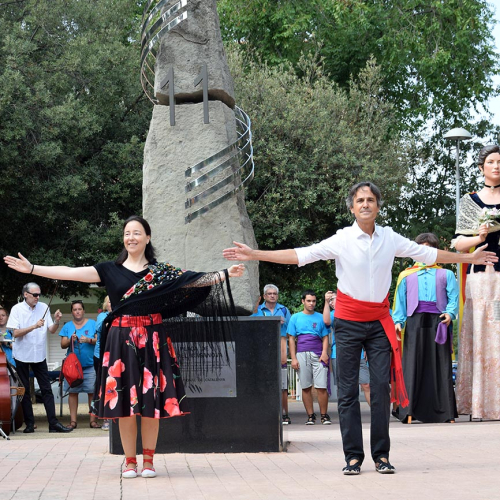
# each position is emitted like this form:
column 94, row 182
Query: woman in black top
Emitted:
column 139, row 373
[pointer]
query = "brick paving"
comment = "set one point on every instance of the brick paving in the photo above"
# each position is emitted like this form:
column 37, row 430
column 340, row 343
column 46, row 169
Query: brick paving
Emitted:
column 434, row 461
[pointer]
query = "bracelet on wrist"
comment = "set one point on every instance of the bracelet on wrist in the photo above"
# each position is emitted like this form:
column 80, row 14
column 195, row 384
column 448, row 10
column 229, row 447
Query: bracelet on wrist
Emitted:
column 32, row 267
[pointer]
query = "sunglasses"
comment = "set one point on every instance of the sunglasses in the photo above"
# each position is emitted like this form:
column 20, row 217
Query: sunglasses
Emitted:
column 35, row 294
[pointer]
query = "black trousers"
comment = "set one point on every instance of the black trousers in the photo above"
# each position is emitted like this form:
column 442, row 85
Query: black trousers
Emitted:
column 42, row 375
column 350, row 338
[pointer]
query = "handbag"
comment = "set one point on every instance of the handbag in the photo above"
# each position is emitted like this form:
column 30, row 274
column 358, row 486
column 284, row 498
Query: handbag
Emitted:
column 71, row 368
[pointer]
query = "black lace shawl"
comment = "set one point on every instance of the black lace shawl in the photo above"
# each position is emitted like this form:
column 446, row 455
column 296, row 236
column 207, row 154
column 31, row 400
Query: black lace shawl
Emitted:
column 197, row 309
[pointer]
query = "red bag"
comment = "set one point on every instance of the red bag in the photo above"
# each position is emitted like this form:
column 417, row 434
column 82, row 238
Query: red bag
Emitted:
column 71, row 369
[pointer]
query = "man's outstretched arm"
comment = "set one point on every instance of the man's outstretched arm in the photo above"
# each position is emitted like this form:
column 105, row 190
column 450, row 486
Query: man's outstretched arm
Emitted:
column 479, row 256
column 243, row 252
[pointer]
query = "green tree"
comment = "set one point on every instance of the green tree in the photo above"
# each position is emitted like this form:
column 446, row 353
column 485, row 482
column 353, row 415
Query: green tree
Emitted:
column 437, row 58
column 73, row 119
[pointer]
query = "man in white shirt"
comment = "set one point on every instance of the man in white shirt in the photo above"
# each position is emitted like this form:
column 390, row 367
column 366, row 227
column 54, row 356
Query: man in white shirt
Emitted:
column 364, row 254
column 30, row 321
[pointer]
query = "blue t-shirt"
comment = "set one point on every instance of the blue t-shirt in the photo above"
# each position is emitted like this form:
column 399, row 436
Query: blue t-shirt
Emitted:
column 98, row 328
column 313, row 324
column 7, row 348
column 279, row 310
column 84, row 351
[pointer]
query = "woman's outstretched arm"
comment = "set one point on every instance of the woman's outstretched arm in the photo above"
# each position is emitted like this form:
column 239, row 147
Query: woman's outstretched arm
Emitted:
column 23, row 265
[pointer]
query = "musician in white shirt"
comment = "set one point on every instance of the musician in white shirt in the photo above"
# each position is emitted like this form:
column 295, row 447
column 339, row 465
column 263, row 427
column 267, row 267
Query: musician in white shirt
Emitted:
column 30, row 321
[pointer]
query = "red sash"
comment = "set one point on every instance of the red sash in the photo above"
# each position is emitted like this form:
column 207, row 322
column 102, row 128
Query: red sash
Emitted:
column 131, row 321
column 351, row 309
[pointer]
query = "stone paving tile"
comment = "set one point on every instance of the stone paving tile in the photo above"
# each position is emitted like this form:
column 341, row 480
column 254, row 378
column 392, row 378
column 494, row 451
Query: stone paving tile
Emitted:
column 459, row 461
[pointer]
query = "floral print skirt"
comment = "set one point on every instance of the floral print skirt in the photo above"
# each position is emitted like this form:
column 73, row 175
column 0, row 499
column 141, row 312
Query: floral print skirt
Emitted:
column 140, row 374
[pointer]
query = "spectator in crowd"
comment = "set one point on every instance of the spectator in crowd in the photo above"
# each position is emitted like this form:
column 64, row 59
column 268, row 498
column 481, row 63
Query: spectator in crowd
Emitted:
column 106, row 309
column 364, row 255
column 6, row 334
column 364, row 372
column 271, row 307
column 309, row 352
column 81, row 332
column 426, row 301
column 29, row 320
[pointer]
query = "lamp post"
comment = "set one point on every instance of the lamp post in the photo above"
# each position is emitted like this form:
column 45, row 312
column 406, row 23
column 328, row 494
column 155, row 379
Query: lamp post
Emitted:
column 457, row 134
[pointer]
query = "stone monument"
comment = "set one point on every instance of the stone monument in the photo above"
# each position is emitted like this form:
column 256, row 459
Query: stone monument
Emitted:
column 198, row 153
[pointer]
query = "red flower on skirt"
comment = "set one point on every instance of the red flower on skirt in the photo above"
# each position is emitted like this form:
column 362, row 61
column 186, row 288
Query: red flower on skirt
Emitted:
column 111, row 396
column 172, row 406
column 147, row 380
column 117, row 368
column 156, row 345
column 171, row 349
column 139, row 335
column 163, row 381
column 105, row 359
column 133, row 399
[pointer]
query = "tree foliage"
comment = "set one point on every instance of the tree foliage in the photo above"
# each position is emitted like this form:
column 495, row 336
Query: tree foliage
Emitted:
column 72, row 125
column 437, row 58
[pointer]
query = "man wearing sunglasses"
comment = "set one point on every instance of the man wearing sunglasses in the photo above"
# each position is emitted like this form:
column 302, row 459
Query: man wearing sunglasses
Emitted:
column 30, row 321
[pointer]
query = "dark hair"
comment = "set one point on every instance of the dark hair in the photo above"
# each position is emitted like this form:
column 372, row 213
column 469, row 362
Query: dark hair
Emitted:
column 430, row 238
column 2, row 308
column 349, row 201
column 149, row 252
column 485, row 152
column 305, row 293
column 78, row 301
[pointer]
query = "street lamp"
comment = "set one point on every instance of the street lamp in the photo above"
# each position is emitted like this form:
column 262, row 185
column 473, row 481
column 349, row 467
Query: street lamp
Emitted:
column 457, row 134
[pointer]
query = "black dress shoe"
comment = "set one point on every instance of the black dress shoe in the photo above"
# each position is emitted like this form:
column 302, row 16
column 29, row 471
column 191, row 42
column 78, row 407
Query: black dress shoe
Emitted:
column 29, row 429
column 59, row 428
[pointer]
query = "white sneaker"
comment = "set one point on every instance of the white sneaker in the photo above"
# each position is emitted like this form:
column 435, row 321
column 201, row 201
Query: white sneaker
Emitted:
column 148, row 472
column 129, row 473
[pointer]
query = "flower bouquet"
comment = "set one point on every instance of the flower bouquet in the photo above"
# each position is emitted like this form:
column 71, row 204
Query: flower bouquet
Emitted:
column 489, row 216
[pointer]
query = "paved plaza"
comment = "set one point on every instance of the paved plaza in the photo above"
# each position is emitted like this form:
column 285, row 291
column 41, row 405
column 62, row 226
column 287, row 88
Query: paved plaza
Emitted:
column 456, row 461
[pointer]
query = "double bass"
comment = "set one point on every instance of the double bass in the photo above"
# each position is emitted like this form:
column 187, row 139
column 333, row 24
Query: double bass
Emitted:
column 11, row 417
